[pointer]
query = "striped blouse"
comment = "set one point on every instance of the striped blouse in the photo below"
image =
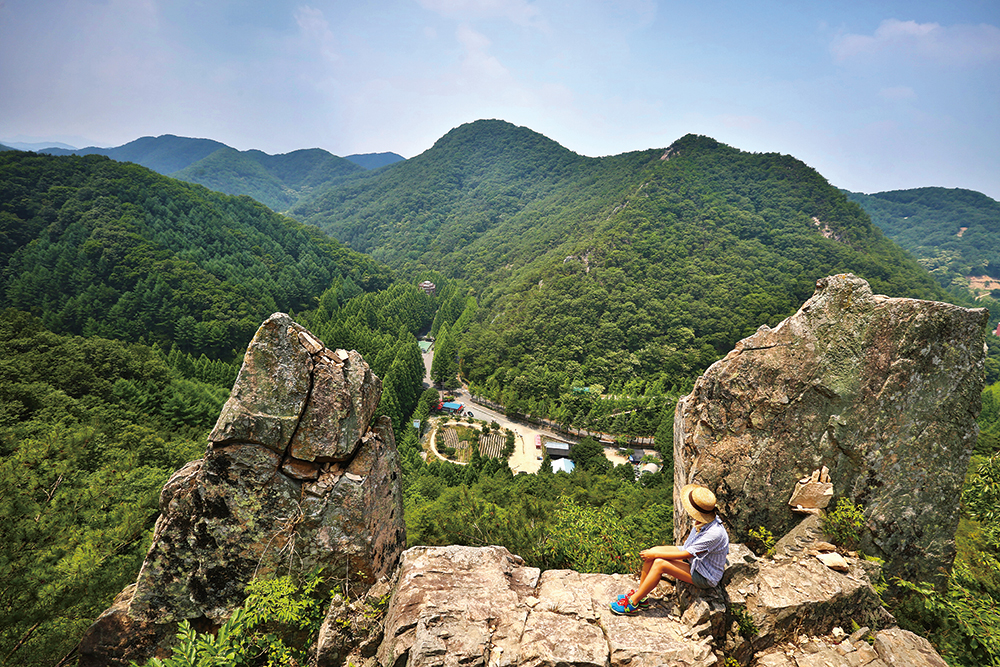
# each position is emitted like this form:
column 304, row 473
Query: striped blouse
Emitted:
column 709, row 547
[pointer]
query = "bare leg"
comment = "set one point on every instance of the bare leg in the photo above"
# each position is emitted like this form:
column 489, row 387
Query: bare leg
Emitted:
column 646, row 564
column 657, row 569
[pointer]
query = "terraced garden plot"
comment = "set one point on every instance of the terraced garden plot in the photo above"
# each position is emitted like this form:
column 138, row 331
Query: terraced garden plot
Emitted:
column 492, row 445
column 454, row 442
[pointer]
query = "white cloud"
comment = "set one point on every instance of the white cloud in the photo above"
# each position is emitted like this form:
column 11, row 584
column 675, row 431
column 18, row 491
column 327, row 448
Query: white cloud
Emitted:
column 957, row 45
column 477, row 61
column 519, row 12
column 315, row 29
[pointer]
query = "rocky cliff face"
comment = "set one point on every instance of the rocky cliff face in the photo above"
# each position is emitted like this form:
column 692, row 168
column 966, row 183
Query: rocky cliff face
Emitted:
column 294, row 475
column 884, row 392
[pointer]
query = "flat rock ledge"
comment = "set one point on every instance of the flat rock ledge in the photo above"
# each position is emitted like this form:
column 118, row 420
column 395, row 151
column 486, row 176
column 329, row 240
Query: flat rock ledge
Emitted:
column 482, row 606
column 471, row 606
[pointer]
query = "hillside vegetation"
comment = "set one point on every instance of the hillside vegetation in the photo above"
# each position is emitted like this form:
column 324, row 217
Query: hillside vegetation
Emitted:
column 278, row 181
column 628, row 274
column 97, row 247
column 126, row 299
column 953, row 233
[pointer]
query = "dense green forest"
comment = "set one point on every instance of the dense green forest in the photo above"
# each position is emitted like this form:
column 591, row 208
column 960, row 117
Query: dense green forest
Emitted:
column 90, row 430
column 624, row 275
column 97, row 247
column 587, row 291
column 279, row 181
column 126, row 300
column 953, row 233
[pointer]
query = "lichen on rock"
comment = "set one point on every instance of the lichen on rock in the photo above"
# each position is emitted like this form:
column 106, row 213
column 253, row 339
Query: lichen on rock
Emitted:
column 295, row 477
column 882, row 391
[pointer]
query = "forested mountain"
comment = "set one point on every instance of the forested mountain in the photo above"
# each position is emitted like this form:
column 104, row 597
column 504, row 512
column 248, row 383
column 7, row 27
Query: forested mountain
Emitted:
column 125, row 300
column 954, row 233
column 635, row 270
column 278, row 181
column 374, row 160
column 98, row 247
column 164, row 154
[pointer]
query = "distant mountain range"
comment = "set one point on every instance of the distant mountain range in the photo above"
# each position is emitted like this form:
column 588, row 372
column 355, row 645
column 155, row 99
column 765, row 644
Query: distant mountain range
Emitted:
column 279, row 181
column 640, row 267
column 36, row 145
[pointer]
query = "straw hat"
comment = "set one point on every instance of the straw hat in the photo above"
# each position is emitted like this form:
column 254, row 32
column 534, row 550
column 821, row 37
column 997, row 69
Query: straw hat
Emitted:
column 699, row 502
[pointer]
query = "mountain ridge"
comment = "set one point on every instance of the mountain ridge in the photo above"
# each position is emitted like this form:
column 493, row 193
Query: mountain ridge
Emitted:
column 953, row 232
column 278, row 181
column 640, row 268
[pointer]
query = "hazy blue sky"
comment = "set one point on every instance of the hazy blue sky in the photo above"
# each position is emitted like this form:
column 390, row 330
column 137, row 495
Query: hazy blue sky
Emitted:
column 876, row 95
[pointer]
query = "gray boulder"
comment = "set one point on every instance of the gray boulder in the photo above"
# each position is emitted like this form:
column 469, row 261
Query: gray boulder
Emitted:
column 882, row 391
column 295, row 476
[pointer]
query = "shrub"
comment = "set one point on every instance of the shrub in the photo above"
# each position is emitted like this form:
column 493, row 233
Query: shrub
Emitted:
column 748, row 629
column 590, row 539
column 276, row 625
column 763, row 540
column 843, row 525
column 962, row 623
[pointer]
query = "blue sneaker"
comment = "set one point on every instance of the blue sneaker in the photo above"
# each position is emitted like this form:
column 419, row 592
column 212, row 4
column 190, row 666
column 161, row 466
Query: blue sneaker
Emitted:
column 644, row 603
column 623, row 606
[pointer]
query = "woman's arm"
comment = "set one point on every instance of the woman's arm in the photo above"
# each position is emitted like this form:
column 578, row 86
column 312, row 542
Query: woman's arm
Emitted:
column 667, row 552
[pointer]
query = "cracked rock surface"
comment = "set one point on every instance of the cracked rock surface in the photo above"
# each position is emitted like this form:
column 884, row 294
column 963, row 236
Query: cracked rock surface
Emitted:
column 295, row 475
column 460, row 605
column 882, row 391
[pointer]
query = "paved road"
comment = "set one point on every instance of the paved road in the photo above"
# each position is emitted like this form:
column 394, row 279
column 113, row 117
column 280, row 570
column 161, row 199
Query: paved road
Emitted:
column 525, row 457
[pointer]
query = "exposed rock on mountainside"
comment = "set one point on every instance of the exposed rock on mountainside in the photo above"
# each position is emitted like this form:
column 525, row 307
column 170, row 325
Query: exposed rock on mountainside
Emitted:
column 293, row 475
column 464, row 605
column 882, row 391
column 482, row 606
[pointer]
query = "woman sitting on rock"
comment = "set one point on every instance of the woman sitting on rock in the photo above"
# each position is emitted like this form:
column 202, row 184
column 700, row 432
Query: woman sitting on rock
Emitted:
column 701, row 561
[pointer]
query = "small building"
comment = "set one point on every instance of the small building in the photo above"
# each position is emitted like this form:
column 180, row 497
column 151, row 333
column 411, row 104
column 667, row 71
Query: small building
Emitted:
column 451, row 408
column 650, row 468
column 563, row 465
column 557, row 449
column 428, row 287
column 425, row 346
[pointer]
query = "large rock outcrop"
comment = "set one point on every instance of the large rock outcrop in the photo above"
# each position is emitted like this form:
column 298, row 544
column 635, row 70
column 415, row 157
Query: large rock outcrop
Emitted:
column 294, row 476
column 882, row 391
column 483, row 607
